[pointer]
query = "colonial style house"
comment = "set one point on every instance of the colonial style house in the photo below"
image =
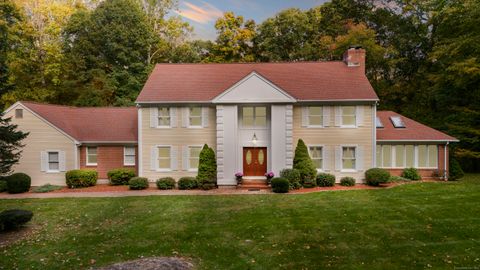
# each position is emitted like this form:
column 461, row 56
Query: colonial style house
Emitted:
column 252, row 114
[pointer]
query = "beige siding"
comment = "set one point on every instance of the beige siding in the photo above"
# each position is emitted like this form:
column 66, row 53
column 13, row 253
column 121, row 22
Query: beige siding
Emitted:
column 332, row 136
column 42, row 137
column 176, row 137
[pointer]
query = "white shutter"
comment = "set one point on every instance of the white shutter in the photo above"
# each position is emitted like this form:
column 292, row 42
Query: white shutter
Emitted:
column 173, row 117
column 43, row 161
column 326, row 158
column 326, row 116
column 338, row 158
column 359, row 158
column 359, row 116
column 153, row 117
column 153, row 158
column 185, row 158
column 173, row 158
column 304, row 116
column 205, row 117
column 338, row 116
column 61, row 159
column 185, row 112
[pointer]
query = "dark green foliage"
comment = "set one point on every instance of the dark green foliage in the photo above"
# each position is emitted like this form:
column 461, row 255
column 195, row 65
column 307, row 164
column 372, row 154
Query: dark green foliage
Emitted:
column 120, row 176
column 280, row 185
column 10, row 143
column 138, row 183
column 309, row 183
column 376, row 176
column 81, row 178
column 18, row 183
column 3, row 185
column 187, row 183
column 303, row 163
column 166, row 183
column 12, row 219
column 293, row 177
column 325, row 180
column 207, row 168
column 456, row 171
column 347, row 181
column 46, row 188
column 411, row 173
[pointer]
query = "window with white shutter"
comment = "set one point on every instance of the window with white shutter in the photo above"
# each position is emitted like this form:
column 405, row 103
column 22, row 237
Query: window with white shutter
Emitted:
column 316, row 154
column 53, row 161
column 193, row 157
column 349, row 158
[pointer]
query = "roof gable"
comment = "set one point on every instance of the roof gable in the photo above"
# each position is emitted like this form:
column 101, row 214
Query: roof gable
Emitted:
column 253, row 89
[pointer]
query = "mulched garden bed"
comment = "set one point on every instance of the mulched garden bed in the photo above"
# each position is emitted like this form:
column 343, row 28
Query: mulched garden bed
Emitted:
column 98, row 188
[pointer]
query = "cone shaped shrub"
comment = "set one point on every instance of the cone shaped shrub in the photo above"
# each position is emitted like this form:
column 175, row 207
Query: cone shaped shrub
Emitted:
column 207, row 168
column 303, row 163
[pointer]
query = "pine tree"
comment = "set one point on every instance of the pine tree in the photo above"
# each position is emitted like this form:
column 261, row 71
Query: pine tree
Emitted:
column 10, row 144
column 303, row 162
column 207, row 168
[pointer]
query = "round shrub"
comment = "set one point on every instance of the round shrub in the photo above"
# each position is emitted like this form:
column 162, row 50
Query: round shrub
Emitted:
column 325, row 180
column 120, row 176
column 18, row 183
column 81, row 178
column 166, row 183
column 376, row 176
column 456, row 171
column 187, row 183
column 137, row 183
column 280, row 185
column 411, row 173
column 293, row 177
column 3, row 185
column 309, row 183
column 347, row 181
column 12, row 219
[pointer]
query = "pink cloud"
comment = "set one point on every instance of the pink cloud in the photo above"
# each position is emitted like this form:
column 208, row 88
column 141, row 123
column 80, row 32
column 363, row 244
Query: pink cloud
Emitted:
column 200, row 13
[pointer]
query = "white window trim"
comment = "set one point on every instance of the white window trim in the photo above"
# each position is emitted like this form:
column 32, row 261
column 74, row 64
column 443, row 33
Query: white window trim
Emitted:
column 415, row 156
column 308, row 120
column 157, row 159
column 86, row 156
column 323, row 155
column 48, row 161
column 201, row 117
column 188, row 157
column 356, row 158
column 169, row 116
column 255, row 127
column 341, row 117
column 134, row 155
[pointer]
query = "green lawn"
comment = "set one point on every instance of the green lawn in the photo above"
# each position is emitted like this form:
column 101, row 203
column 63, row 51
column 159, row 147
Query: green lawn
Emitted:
column 421, row 225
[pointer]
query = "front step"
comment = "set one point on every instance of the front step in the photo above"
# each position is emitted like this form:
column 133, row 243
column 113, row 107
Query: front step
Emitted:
column 253, row 184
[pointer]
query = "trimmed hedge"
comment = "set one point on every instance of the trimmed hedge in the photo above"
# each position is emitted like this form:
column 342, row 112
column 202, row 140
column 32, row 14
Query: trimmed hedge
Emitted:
column 18, row 183
column 166, row 183
column 187, row 183
column 411, row 173
column 12, row 219
column 120, row 176
column 376, row 176
column 3, row 185
column 280, row 185
column 293, row 177
column 347, row 181
column 137, row 183
column 325, row 180
column 81, row 178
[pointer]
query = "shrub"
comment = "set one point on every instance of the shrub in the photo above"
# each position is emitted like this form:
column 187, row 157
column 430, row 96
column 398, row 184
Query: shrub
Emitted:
column 309, row 183
column 46, row 188
column 411, row 173
column 303, row 163
column 280, row 185
column 137, row 183
column 207, row 168
column 376, row 176
column 187, row 183
column 395, row 178
column 325, row 180
column 293, row 177
column 12, row 219
column 81, row 178
column 456, row 171
column 18, row 183
column 120, row 176
column 3, row 185
column 347, row 181
column 166, row 183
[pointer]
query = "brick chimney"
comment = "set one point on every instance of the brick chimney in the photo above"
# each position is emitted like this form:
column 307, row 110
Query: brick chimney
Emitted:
column 355, row 57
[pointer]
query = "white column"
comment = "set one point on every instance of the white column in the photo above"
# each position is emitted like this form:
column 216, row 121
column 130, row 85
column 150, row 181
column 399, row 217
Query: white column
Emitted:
column 227, row 156
column 281, row 138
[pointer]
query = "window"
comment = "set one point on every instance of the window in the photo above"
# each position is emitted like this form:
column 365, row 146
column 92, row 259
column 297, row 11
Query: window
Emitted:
column 129, row 155
column 378, row 122
column 427, row 156
column 53, row 161
column 193, row 157
column 195, row 116
column 91, row 155
column 18, row 113
column 164, row 160
column 164, row 117
column 316, row 154
column 315, row 116
column 379, row 156
column 348, row 158
column 432, row 156
column 348, row 115
column 254, row 117
column 400, row 156
column 387, row 156
column 409, row 156
column 397, row 121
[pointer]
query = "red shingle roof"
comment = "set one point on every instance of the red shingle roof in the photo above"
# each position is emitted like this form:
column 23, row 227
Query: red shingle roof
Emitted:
column 302, row 80
column 413, row 130
column 102, row 124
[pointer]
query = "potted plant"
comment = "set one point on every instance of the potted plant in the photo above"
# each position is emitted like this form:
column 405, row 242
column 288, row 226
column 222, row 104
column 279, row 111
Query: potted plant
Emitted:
column 269, row 176
column 239, row 177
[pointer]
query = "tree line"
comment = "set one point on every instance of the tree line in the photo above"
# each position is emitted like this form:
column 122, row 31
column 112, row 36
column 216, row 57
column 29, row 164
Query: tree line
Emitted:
column 422, row 55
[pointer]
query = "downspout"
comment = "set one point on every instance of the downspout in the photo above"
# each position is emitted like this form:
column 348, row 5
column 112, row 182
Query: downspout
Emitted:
column 374, row 136
column 445, row 174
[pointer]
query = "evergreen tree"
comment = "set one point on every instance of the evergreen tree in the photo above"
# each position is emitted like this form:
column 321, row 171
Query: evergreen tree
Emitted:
column 303, row 163
column 207, row 168
column 10, row 144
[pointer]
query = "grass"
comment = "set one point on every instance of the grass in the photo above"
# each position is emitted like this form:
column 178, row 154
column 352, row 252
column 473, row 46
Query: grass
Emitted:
column 414, row 226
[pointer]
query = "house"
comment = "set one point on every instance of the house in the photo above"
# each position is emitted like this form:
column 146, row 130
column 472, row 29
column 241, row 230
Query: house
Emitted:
column 252, row 114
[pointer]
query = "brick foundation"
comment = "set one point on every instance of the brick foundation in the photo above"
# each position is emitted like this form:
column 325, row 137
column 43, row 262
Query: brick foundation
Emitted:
column 108, row 158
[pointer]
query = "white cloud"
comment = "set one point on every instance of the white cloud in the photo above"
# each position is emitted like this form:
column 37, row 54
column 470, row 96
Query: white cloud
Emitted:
column 203, row 13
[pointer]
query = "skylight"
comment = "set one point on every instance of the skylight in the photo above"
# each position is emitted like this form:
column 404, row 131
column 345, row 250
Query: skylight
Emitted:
column 378, row 122
column 397, row 121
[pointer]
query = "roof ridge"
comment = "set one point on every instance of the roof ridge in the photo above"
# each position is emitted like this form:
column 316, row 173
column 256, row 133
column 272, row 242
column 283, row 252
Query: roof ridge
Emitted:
column 251, row 63
column 75, row 107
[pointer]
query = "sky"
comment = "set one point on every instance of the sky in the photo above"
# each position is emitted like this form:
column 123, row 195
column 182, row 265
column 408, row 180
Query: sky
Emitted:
column 201, row 14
